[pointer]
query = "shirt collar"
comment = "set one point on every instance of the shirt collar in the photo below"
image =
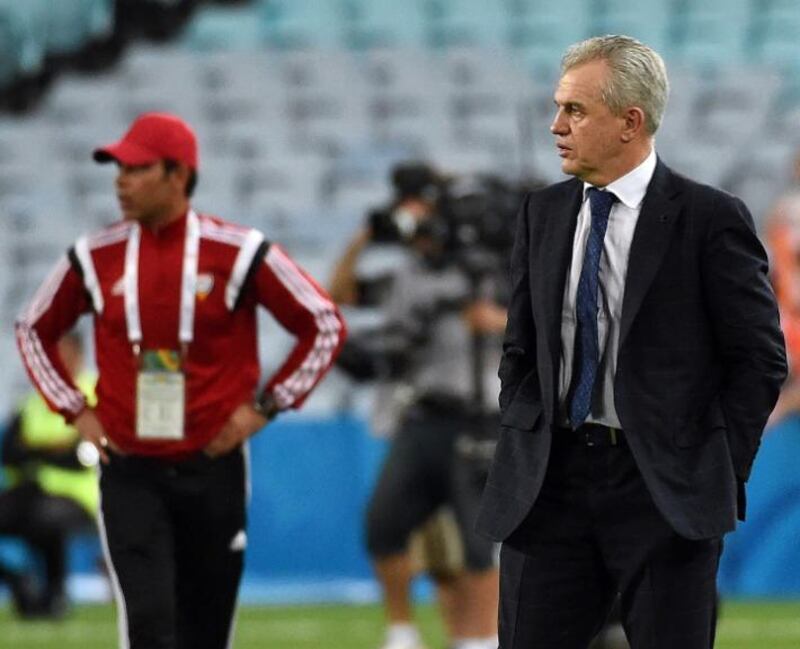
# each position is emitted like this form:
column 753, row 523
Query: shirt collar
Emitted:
column 631, row 188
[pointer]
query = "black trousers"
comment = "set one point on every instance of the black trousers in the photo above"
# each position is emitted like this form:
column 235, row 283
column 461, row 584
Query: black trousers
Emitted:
column 594, row 531
column 175, row 536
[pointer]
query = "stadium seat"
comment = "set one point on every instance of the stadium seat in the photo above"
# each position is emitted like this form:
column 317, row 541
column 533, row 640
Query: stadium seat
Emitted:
column 73, row 24
column 477, row 69
column 262, row 138
column 708, row 162
column 9, row 64
column 319, row 71
column 218, row 28
column 762, row 173
column 359, row 194
column 775, row 38
column 24, row 141
column 458, row 23
column 457, row 157
column 240, row 73
column 712, row 33
column 655, row 30
column 404, row 100
column 487, row 97
column 23, row 36
column 400, row 69
column 559, row 22
column 161, row 78
column 86, row 103
column 540, row 41
column 384, row 23
column 728, row 10
column 733, row 106
column 291, row 24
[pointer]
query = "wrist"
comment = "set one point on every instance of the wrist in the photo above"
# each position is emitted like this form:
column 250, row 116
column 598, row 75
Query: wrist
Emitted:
column 266, row 407
column 73, row 418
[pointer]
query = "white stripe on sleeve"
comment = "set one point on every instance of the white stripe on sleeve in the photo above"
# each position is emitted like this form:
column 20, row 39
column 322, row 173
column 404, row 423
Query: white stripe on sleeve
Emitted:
column 328, row 326
column 89, row 274
column 53, row 387
column 244, row 260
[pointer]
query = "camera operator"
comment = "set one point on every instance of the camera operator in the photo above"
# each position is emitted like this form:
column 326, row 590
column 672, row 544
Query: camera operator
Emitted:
column 443, row 323
column 416, row 188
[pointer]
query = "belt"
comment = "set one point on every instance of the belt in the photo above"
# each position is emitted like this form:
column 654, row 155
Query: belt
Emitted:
column 595, row 435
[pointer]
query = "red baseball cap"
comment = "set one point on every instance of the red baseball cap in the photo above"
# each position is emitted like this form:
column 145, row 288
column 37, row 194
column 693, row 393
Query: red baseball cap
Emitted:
column 153, row 137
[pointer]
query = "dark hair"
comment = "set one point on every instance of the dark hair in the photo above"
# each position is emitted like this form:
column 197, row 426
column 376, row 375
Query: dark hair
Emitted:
column 172, row 165
column 415, row 180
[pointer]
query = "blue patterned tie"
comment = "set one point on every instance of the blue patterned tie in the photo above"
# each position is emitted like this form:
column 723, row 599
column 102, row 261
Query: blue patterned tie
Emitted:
column 586, row 351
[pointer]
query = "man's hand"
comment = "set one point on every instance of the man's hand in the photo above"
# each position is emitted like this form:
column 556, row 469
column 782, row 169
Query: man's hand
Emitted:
column 90, row 429
column 243, row 423
column 486, row 317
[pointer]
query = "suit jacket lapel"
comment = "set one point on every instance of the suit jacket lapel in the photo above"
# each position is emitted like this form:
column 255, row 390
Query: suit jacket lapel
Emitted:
column 551, row 269
column 660, row 212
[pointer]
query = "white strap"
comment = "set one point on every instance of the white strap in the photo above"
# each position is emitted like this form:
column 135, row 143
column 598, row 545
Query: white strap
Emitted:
column 188, row 282
column 131, row 285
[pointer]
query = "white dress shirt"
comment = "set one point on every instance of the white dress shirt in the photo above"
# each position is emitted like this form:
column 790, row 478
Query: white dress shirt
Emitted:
column 630, row 191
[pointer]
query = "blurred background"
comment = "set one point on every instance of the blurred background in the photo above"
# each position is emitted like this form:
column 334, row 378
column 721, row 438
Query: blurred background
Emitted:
column 302, row 108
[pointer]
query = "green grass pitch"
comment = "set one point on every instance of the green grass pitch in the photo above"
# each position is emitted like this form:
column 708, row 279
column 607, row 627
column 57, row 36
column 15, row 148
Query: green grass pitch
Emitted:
column 744, row 625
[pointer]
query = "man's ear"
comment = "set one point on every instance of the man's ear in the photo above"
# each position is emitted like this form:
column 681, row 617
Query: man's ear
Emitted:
column 634, row 123
column 179, row 174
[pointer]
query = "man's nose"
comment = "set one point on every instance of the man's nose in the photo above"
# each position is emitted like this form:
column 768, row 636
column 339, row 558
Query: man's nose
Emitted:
column 559, row 124
column 120, row 179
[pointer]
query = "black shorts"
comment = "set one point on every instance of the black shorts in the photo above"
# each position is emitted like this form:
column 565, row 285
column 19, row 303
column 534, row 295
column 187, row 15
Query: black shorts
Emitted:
column 422, row 472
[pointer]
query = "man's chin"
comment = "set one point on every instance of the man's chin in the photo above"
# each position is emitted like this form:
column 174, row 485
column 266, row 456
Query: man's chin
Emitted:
column 569, row 167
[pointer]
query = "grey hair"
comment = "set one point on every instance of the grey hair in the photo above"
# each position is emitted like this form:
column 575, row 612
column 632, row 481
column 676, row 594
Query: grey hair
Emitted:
column 638, row 76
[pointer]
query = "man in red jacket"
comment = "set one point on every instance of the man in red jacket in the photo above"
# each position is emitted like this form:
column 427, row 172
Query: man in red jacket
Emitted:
column 173, row 295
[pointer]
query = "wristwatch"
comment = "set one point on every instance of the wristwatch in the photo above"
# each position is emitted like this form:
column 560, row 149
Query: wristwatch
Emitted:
column 265, row 405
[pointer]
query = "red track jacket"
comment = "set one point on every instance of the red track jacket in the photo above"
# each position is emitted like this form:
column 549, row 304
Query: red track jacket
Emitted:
column 237, row 270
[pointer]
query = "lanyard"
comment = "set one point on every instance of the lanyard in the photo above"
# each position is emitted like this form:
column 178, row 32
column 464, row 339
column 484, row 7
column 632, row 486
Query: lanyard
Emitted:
column 188, row 283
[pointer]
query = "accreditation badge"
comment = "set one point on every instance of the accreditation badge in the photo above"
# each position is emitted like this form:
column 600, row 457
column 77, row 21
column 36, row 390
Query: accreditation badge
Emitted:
column 160, row 396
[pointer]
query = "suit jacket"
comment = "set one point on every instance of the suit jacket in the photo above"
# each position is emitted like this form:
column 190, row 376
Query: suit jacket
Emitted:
column 701, row 357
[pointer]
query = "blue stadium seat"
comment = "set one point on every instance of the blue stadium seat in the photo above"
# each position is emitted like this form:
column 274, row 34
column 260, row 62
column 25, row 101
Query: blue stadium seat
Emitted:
column 727, row 10
column 9, row 60
column 731, row 107
column 488, row 97
column 775, row 37
column 655, row 33
column 467, row 22
column 218, row 28
column 404, row 99
column 764, row 169
column 23, row 32
column 708, row 41
column 651, row 23
column 384, row 23
column 302, row 23
column 712, row 33
column 72, row 24
column 541, row 35
column 162, row 78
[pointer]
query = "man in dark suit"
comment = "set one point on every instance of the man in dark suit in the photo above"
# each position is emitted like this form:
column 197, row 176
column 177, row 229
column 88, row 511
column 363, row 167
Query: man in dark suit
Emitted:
column 642, row 358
